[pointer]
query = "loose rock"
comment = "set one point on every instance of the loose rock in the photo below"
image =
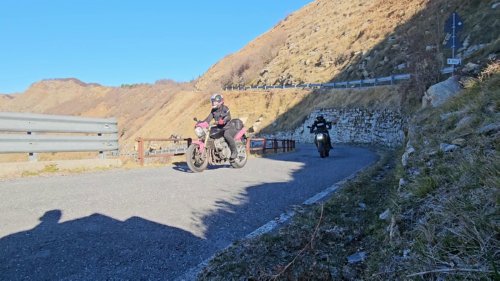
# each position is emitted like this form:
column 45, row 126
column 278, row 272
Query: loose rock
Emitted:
column 357, row 257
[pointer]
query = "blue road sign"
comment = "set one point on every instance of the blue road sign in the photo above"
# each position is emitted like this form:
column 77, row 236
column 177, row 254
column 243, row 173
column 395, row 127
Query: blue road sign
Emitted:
column 456, row 45
column 453, row 21
column 452, row 27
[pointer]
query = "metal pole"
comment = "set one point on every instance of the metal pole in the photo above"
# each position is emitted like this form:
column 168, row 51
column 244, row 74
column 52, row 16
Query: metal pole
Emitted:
column 453, row 42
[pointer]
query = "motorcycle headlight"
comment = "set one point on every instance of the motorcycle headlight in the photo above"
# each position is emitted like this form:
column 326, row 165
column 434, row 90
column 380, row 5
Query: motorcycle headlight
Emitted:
column 199, row 132
column 320, row 137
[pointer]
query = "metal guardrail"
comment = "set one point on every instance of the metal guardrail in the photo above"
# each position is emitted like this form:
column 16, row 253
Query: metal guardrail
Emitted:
column 28, row 122
column 40, row 134
column 179, row 149
column 263, row 145
column 381, row 81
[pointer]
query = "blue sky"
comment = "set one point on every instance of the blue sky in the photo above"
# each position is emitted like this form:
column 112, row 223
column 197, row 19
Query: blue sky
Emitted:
column 114, row 42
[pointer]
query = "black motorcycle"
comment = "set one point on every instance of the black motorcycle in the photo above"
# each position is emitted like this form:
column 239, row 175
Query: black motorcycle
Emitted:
column 322, row 142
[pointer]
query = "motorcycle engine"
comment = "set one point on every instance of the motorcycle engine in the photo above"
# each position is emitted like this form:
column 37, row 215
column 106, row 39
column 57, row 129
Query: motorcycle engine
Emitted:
column 222, row 148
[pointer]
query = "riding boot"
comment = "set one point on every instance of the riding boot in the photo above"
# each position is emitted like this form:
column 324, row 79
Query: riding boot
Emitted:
column 232, row 144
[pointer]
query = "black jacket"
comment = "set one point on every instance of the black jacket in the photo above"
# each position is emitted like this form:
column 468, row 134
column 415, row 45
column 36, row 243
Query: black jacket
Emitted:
column 322, row 125
column 221, row 112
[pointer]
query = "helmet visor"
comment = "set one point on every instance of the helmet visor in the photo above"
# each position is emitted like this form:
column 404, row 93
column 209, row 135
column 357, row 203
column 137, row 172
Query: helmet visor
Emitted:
column 216, row 103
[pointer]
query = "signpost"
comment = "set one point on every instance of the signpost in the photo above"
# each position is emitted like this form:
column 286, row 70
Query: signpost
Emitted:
column 453, row 25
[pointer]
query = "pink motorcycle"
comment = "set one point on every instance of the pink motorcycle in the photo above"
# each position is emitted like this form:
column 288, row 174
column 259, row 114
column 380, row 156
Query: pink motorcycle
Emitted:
column 211, row 147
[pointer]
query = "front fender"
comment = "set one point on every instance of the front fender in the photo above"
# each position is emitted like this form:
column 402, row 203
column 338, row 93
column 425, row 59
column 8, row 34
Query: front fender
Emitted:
column 200, row 144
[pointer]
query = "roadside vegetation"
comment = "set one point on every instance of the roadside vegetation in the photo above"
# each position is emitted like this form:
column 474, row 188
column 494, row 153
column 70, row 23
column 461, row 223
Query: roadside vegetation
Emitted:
column 433, row 216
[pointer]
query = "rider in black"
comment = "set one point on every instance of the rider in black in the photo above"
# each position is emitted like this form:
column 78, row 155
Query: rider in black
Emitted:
column 322, row 126
column 220, row 113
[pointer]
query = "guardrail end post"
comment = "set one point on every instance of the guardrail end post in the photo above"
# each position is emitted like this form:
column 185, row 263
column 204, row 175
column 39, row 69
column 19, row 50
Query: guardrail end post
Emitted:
column 140, row 151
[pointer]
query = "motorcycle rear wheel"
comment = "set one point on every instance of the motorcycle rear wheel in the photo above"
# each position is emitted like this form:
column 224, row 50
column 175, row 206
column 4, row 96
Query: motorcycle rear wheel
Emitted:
column 242, row 157
column 195, row 159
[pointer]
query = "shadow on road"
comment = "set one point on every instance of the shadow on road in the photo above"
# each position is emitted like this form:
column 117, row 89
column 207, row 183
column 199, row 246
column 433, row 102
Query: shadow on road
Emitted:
column 96, row 247
column 183, row 167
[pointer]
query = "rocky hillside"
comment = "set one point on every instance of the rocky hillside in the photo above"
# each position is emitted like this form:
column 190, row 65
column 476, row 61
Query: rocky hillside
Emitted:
column 339, row 40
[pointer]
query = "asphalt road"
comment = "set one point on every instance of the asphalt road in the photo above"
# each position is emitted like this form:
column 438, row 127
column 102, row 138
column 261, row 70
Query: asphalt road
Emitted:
column 152, row 223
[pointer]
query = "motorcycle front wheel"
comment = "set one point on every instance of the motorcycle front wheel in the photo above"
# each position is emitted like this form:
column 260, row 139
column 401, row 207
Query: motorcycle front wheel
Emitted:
column 242, row 157
column 322, row 150
column 196, row 161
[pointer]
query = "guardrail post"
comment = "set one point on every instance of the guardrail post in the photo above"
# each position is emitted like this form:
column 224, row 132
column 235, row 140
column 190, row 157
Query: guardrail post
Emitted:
column 275, row 145
column 284, row 145
column 247, row 145
column 140, row 151
column 101, row 153
column 32, row 157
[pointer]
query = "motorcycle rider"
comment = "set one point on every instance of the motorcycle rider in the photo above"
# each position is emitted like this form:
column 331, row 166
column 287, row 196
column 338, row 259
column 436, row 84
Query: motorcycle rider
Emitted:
column 220, row 113
column 322, row 127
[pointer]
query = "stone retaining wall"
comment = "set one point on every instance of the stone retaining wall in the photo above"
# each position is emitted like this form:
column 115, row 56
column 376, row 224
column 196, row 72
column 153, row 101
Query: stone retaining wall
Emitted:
column 355, row 125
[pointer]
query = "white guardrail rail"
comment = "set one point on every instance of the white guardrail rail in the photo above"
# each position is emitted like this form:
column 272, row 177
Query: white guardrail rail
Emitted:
column 388, row 80
column 56, row 133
